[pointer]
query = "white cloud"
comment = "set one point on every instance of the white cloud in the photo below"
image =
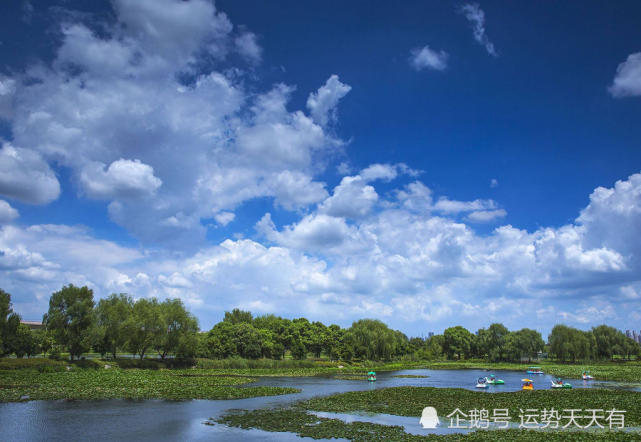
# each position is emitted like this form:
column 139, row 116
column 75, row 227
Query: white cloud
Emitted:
column 224, row 218
column 387, row 172
column 428, row 58
column 447, row 206
column 351, row 199
column 247, row 46
column 142, row 88
column 494, row 183
column 486, row 216
column 343, row 168
column 627, row 81
column 322, row 104
column 295, row 189
column 7, row 92
column 7, row 213
column 476, row 16
column 122, row 179
column 26, row 177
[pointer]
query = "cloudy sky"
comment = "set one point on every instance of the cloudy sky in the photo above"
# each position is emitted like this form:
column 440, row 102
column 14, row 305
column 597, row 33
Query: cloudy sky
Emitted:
column 431, row 165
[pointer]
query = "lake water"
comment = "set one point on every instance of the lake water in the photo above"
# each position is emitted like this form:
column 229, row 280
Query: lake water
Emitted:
column 154, row 420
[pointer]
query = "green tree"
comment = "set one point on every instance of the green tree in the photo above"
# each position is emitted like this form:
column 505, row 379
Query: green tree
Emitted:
column 457, row 341
column 373, row 340
column 608, row 339
column 496, row 339
column 524, row 342
column 299, row 351
column 9, row 324
column 70, row 318
column 221, row 341
column 237, row 316
column 24, row 343
column 112, row 314
column 178, row 329
column 143, row 326
column 248, row 340
column 435, row 346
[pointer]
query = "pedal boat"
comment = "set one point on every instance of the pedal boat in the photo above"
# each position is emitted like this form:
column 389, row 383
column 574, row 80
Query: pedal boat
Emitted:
column 527, row 384
column 493, row 381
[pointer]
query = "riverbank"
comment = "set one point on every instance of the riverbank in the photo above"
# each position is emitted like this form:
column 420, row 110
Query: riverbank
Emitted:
column 410, row 401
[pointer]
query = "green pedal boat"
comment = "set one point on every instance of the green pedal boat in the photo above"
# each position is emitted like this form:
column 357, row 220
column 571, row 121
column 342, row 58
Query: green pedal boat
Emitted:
column 493, row 381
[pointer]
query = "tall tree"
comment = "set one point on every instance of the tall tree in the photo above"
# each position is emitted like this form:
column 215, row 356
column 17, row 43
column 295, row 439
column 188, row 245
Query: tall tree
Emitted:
column 9, row 323
column 112, row 314
column 497, row 335
column 457, row 341
column 70, row 318
column 178, row 327
column 236, row 316
column 143, row 327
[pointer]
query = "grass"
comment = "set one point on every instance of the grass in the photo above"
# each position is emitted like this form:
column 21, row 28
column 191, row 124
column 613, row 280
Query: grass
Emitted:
column 133, row 384
column 409, row 401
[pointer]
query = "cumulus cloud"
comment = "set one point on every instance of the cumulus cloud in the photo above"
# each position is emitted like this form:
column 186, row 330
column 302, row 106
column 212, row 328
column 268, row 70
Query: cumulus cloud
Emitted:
column 26, row 176
column 428, row 58
column 494, row 183
column 136, row 111
column 247, row 46
column 351, row 199
column 224, row 218
column 122, row 179
column 322, row 104
column 448, row 206
column 7, row 91
column 627, row 81
column 386, row 172
column 476, row 16
column 7, row 213
column 486, row 216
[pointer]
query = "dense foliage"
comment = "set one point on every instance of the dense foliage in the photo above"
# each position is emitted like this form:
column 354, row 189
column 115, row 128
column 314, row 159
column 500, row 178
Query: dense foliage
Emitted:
column 118, row 323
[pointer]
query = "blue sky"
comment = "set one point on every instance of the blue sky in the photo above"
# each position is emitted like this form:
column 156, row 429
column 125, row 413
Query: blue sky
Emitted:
column 434, row 164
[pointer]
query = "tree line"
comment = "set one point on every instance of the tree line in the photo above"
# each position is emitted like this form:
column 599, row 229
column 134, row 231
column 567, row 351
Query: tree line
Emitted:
column 76, row 324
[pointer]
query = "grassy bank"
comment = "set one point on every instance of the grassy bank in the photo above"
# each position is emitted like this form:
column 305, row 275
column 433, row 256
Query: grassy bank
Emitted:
column 409, row 401
column 131, row 384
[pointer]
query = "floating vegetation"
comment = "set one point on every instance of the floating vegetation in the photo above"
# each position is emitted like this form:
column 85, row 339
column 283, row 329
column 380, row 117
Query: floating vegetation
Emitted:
column 295, row 420
column 409, row 401
column 133, row 384
column 351, row 377
column 410, row 376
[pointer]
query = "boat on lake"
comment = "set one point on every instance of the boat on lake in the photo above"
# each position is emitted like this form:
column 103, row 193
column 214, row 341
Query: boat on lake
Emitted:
column 371, row 376
column 493, row 381
column 481, row 383
column 535, row 370
column 560, row 384
column 586, row 375
column 527, row 384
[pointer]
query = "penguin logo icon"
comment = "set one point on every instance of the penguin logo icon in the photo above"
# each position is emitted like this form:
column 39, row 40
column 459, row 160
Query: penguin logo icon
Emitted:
column 429, row 418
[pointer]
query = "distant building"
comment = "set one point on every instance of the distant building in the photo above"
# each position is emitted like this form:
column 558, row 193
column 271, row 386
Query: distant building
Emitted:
column 430, row 334
column 628, row 334
column 33, row 325
column 476, row 332
column 635, row 337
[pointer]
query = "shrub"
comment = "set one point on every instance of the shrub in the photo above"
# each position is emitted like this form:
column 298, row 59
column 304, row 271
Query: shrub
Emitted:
column 94, row 364
column 55, row 354
column 137, row 363
column 31, row 363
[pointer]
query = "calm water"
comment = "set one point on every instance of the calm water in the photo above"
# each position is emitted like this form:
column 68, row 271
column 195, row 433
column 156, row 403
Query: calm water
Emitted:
column 183, row 420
